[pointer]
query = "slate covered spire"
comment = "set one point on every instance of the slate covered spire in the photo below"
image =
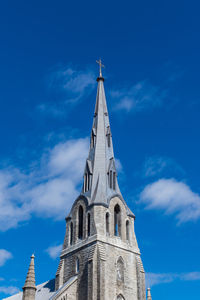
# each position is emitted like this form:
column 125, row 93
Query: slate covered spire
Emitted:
column 29, row 288
column 100, row 175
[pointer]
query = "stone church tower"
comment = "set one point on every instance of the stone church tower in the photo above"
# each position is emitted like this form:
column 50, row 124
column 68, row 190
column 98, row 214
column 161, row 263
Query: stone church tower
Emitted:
column 100, row 259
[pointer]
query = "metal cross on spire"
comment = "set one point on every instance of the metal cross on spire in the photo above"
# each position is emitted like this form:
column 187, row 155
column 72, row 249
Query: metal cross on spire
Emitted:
column 99, row 62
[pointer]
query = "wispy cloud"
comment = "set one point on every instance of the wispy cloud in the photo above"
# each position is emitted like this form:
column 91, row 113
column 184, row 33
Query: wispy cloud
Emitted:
column 54, row 251
column 67, row 85
column 173, row 197
column 4, row 257
column 139, row 97
column 160, row 278
column 157, row 165
column 46, row 190
column 9, row 290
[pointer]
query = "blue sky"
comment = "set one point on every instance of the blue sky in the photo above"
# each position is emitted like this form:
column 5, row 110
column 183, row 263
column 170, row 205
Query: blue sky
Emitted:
column 47, row 95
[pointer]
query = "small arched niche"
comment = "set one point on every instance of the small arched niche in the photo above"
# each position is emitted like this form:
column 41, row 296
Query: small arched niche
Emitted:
column 120, row 270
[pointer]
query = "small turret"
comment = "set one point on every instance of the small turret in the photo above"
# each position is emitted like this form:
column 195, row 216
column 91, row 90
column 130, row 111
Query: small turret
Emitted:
column 149, row 294
column 29, row 288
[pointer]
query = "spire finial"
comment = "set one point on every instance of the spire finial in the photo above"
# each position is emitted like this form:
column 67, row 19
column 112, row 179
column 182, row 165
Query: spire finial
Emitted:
column 29, row 288
column 99, row 62
column 149, row 294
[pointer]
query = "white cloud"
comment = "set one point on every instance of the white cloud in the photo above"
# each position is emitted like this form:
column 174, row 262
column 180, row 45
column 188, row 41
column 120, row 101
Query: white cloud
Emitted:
column 173, row 197
column 4, row 256
column 54, row 251
column 141, row 96
column 156, row 165
column 69, row 85
column 9, row 290
column 48, row 190
column 160, row 278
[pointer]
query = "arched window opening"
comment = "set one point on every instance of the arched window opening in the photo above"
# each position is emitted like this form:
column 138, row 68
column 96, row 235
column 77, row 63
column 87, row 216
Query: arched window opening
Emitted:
column 120, row 270
column 80, row 222
column 87, row 180
column 88, row 224
column 107, row 224
column 71, row 233
column 117, row 220
column 127, row 231
column 77, row 265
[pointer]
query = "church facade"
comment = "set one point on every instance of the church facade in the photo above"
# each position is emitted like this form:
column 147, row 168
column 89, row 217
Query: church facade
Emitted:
column 100, row 259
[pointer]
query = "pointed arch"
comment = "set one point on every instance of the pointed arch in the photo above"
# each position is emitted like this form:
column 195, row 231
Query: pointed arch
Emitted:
column 112, row 175
column 87, row 176
column 120, row 297
column 80, row 222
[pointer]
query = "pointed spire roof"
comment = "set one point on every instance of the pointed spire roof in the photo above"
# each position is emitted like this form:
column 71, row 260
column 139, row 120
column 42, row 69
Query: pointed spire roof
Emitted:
column 30, row 278
column 149, row 294
column 100, row 175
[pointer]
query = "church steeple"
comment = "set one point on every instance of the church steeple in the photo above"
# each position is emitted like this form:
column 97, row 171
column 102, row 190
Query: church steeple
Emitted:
column 29, row 288
column 100, row 249
column 100, row 176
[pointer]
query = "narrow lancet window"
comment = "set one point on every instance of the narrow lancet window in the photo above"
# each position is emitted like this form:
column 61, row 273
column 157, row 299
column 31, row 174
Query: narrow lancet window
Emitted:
column 88, row 224
column 117, row 220
column 127, row 231
column 107, row 224
column 71, row 233
column 80, row 222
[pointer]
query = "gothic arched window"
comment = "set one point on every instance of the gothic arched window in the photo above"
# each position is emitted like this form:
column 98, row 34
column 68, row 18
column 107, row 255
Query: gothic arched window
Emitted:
column 87, row 177
column 120, row 270
column 127, row 231
column 117, row 220
column 80, row 222
column 71, row 233
column 88, row 224
column 107, row 224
